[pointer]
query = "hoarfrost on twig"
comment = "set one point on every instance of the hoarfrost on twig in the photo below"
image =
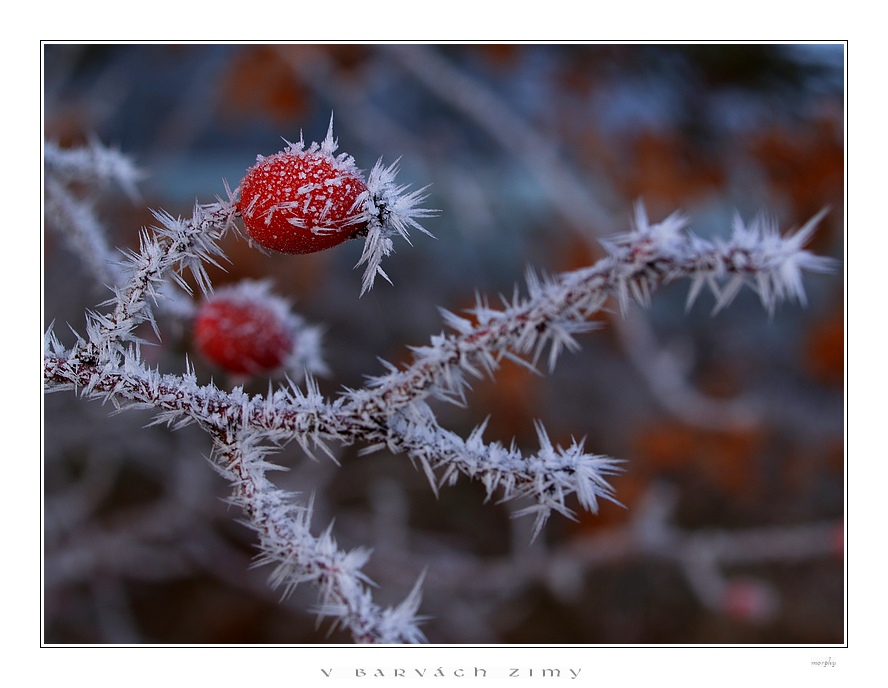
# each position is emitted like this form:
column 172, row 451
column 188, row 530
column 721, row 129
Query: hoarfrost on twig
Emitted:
column 391, row 411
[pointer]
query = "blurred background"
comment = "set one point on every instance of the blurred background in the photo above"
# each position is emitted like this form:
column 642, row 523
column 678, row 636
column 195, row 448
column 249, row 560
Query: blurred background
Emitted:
column 732, row 426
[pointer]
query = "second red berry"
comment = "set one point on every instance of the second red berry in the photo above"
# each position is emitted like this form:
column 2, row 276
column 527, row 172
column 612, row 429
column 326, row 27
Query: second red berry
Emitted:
column 242, row 336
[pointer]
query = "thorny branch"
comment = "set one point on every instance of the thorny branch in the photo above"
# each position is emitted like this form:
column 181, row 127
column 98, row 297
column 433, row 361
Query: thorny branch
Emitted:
column 391, row 411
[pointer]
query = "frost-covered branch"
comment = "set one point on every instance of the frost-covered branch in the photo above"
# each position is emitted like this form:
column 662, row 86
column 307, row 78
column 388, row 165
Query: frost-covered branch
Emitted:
column 389, row 411
column 94, row 165
column 557, row 308
column 285, row 540
column 84, row 234
column 72, row 214
column 392, row 410
column 239, row 431
column 176, row 245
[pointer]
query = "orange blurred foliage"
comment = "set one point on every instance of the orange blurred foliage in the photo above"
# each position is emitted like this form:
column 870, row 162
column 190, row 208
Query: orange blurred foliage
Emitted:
column 665, row 170
column 805, row 165
column 726, row 459
column 825, row 349
column 260, row 82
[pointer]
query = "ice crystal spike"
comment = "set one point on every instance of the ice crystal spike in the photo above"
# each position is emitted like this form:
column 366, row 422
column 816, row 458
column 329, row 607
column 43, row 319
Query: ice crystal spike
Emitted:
column 391, row 210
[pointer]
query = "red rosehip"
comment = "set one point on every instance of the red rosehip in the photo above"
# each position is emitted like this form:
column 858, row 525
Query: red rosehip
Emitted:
column 242, row 335
column 302, row 201
column 750, row 600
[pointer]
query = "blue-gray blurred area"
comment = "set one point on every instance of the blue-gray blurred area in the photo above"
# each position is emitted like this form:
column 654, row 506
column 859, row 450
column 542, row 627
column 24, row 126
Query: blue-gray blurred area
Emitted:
column 531, row 153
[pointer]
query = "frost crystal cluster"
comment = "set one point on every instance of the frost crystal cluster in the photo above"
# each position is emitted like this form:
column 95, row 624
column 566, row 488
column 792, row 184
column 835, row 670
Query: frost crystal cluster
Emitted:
column 392, row 411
